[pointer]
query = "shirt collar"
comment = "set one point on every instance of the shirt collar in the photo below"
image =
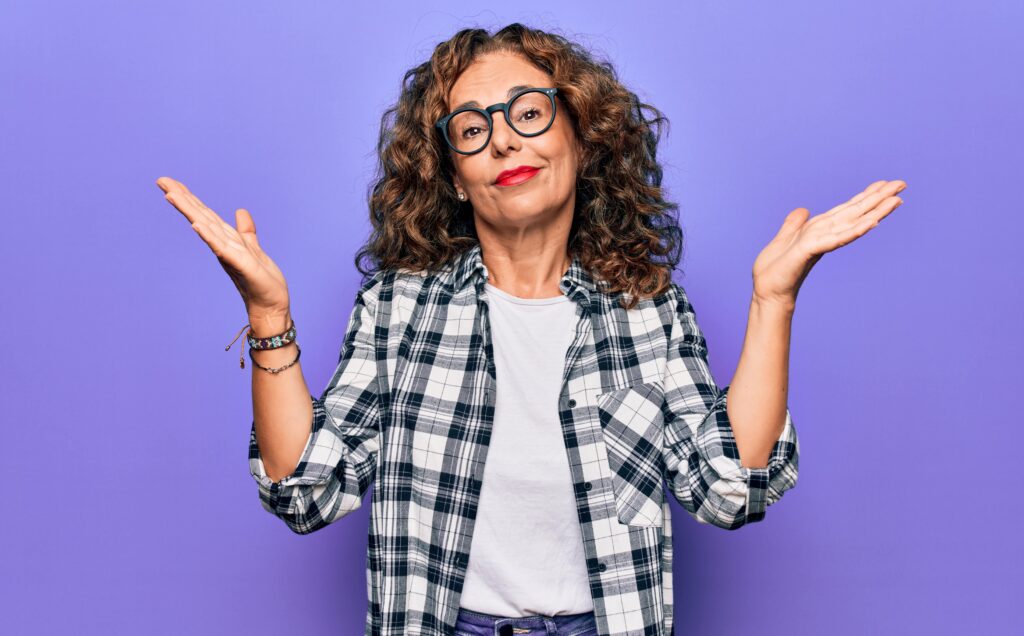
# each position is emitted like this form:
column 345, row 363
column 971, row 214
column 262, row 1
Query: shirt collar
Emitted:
column 469, row 266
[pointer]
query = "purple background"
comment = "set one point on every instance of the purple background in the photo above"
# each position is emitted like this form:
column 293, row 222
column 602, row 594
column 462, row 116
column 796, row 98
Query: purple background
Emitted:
column 128, row 505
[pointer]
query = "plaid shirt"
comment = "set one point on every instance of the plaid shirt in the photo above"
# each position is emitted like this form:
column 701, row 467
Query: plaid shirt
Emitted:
column 410, row 408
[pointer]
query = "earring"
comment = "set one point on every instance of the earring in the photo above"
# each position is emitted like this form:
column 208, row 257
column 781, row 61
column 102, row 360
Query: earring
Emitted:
column 462, row 196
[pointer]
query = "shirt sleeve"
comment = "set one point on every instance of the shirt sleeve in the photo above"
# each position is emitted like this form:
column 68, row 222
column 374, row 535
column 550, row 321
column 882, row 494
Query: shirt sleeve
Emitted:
column 702, row 462
column 338, row 463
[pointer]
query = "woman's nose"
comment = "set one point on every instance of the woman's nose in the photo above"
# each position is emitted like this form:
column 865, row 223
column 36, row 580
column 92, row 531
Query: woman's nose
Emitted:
column 502, row 135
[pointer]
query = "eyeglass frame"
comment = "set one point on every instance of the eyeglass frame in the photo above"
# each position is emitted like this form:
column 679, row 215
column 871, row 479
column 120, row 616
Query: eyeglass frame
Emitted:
column 486, row 112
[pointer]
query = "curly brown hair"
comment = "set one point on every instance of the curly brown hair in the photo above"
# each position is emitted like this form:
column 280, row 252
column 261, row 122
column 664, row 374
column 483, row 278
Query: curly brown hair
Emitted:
column 621, row 218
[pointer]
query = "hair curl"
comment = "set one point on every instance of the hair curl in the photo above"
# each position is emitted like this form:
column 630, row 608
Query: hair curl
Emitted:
column 621, row 218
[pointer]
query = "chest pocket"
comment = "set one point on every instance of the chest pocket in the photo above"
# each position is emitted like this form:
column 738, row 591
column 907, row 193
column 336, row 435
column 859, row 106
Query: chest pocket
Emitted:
column 633, row 428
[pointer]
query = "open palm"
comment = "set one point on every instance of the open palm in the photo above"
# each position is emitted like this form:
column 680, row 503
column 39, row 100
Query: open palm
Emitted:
column 257, row 277
column 784, row 263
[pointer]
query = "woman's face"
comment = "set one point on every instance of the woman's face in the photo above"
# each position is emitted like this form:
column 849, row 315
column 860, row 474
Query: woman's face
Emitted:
column 551, row 193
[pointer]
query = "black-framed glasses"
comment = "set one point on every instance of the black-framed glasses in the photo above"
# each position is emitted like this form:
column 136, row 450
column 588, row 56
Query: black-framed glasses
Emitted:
column 530, row 113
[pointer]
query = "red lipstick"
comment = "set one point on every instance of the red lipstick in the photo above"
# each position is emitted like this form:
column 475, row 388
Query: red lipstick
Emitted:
column 516, row 175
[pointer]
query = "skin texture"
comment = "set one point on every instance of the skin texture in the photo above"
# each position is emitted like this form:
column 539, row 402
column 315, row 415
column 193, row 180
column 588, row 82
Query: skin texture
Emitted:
column 523, row 229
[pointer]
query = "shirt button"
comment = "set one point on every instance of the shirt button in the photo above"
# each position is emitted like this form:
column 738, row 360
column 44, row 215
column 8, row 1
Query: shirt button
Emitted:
column 601, row 567
column 587, row 486
column 572, row 403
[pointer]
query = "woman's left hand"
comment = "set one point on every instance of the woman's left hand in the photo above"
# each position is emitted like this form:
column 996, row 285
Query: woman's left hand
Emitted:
column 784, row 263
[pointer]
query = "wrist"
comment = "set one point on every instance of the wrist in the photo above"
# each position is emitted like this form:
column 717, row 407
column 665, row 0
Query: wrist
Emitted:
column 774, row 304
column 268, row 324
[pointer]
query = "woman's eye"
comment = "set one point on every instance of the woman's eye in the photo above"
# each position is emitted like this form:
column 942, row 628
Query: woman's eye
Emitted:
column 532, row 110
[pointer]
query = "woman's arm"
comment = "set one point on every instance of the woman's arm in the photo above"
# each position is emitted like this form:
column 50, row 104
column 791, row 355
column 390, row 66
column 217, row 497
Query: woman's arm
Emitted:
column 701, row 457
column 759, row 389
column 282, row 412
column 329, row 477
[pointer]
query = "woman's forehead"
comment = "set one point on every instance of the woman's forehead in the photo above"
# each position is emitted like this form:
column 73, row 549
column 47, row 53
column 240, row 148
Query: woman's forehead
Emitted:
column 494, row 78
column 512, row 90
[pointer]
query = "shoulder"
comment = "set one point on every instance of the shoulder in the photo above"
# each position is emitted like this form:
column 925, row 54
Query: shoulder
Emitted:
column 675, row 311
column 652, row 318
column 677, row 297
column 378, row 280
column 667, row 303
column 393, row 295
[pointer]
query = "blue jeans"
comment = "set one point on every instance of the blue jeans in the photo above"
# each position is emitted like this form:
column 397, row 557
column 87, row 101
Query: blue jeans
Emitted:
column 476, row 624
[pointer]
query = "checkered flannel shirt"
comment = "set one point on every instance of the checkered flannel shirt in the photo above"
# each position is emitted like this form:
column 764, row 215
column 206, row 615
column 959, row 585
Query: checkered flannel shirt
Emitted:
column 410, row 409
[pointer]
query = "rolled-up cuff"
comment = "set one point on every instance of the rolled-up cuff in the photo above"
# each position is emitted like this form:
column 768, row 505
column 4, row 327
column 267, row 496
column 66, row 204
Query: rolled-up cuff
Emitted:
column 757, row 493
column 760, row 491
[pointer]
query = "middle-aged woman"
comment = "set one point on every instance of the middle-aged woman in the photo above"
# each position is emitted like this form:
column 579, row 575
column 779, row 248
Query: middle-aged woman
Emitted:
column 520, row 376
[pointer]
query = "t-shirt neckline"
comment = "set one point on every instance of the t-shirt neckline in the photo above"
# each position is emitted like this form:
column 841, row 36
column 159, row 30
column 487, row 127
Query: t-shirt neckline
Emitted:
column 525, row 301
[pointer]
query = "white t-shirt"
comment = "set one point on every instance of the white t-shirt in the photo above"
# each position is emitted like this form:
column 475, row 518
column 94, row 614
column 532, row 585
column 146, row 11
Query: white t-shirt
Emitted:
column 526, row 555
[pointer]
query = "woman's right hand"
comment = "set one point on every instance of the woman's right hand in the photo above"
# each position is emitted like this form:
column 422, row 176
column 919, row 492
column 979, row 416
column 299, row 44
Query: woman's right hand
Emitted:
column 258, row 279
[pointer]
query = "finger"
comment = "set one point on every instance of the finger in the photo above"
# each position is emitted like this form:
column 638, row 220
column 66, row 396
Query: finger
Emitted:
column 212, row 216
column 179, row 197
column 856, row 210
column 223, row 229
column 247, row 228
column 874, row 188
column 183, row 205
column 868, row 191
column 247, row 231
column 215, row 243
column 871, row 189
column 227, row 247
column 244, row 221
column 199, row 212
column 178, row 185
column 860, row 225
column 880, row 211
column 196, row 215
column 886, row 207
column 185, row 195
column 227, row 234
column 169, row 184
column 792, row 224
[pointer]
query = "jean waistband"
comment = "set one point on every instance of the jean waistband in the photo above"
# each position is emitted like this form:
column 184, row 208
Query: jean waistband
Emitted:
column 561, row 624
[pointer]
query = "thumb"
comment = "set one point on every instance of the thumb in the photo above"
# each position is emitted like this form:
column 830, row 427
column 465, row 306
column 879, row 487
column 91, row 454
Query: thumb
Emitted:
column 246, row 227
column 245, row 223
column 794, row 221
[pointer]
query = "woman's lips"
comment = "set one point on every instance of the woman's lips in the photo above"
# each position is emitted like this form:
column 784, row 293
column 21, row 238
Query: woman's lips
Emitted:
column 518, row 178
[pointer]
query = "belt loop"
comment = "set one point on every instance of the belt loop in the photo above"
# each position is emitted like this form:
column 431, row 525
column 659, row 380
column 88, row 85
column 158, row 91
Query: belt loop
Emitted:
column 550, row 626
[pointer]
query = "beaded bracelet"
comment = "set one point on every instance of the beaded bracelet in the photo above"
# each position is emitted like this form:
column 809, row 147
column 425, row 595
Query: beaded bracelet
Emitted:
column 264, row 344
column 273, row 342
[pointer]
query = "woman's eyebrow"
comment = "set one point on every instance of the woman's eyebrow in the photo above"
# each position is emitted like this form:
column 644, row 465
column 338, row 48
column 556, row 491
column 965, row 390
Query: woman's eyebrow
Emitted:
column 508, row 95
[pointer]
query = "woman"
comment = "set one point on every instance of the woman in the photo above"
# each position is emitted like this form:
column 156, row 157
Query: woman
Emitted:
column 520, row 377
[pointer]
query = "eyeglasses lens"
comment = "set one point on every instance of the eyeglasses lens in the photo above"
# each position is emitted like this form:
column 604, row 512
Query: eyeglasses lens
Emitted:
column 530, row 113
